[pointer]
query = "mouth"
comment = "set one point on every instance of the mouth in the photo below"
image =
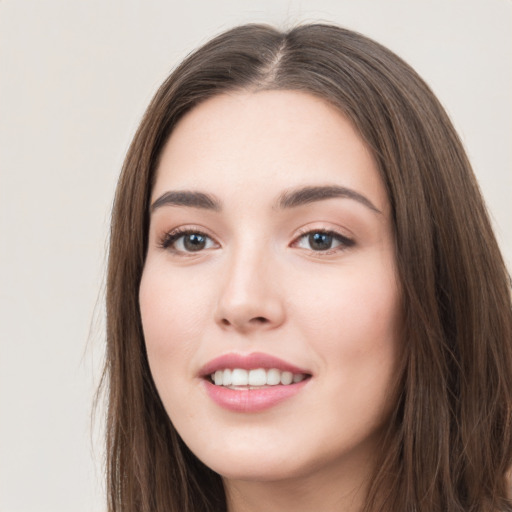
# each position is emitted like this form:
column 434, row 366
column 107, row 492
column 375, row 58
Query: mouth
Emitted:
column 252, row 383
column 257, row 378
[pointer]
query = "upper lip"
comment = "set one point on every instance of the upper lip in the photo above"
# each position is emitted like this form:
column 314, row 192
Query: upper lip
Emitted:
column 249, row 362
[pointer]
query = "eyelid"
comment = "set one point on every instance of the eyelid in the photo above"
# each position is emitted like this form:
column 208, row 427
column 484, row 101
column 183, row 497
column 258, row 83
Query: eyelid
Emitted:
column 345, row 241
column 168, row 238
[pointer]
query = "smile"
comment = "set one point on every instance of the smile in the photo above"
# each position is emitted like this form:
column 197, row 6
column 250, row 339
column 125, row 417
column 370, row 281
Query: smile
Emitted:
column 239, row 378
column 252, row 383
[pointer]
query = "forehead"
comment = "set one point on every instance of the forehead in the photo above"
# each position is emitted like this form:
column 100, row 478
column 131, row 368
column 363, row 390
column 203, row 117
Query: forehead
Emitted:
column 266, row 140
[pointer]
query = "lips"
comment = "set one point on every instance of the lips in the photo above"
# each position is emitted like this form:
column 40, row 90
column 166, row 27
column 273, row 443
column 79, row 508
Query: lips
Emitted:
column 249, row 362
column 253, row 382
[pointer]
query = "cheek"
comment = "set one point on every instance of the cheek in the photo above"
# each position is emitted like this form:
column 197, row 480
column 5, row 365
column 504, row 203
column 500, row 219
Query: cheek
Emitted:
column 361, row 346
column 351, row 301
column 172, row 314
column 354, row 320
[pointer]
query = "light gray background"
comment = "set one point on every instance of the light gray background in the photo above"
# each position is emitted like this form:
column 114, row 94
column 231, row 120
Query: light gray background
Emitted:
column 75, row 77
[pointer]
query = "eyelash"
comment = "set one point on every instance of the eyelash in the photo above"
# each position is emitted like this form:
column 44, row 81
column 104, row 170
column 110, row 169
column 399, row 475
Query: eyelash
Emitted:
column 344, row 242
column 169, row 240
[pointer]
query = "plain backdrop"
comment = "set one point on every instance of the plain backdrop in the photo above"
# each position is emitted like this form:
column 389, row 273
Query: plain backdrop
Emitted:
column 75, row 78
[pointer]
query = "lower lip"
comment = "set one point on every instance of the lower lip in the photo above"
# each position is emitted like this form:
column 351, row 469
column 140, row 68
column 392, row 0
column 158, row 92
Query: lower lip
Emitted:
column 251, row 400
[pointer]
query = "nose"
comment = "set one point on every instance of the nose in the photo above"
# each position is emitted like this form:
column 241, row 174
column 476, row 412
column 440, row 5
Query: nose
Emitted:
column 250, row 297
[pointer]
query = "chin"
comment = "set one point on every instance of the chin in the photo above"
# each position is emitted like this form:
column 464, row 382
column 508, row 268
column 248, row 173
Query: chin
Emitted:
column 273, row 458
column 261, row 470
column 242, row 457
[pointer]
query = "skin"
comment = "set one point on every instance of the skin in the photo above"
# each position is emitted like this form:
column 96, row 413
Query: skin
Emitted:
column 258, row 286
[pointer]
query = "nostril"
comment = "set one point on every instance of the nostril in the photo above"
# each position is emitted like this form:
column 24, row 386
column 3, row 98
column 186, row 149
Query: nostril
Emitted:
column 244, row 322
column 259, row 320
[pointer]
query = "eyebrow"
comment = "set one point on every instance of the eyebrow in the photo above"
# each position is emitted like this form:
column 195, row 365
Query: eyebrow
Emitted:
column 306, row 195
column 288, row 199
column 187, row 198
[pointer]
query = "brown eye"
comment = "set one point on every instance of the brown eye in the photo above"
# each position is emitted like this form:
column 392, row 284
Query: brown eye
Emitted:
column 194, row 242
column 187, row 242
column 322, row 241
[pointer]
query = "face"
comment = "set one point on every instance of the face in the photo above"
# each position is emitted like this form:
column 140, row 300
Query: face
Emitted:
column 269, row 297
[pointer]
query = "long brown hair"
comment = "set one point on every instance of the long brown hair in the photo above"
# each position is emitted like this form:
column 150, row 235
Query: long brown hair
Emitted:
column 448, row 446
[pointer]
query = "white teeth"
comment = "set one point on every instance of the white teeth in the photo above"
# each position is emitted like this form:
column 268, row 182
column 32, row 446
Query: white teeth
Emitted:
column 298, row 377
column 227, row 378
column 286, row 378
column 239, row 377
column 273, row 377
column 255, row 378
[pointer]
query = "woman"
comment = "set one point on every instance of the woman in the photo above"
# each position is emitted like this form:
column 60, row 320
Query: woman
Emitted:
column 306, row 306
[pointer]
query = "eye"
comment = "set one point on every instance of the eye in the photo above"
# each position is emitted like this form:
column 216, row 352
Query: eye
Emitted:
column 188, row 241
column 322, row 241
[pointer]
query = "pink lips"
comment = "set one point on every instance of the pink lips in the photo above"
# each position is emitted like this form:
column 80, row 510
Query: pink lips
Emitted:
column 248, row 362
column 250, row 400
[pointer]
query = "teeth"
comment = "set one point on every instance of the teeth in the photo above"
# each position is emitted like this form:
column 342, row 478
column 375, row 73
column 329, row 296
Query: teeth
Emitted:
column 239, row 377
column 273, row 377
column 298, row 377
column 227, row 378
column 286, row 378
column 255, row 378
